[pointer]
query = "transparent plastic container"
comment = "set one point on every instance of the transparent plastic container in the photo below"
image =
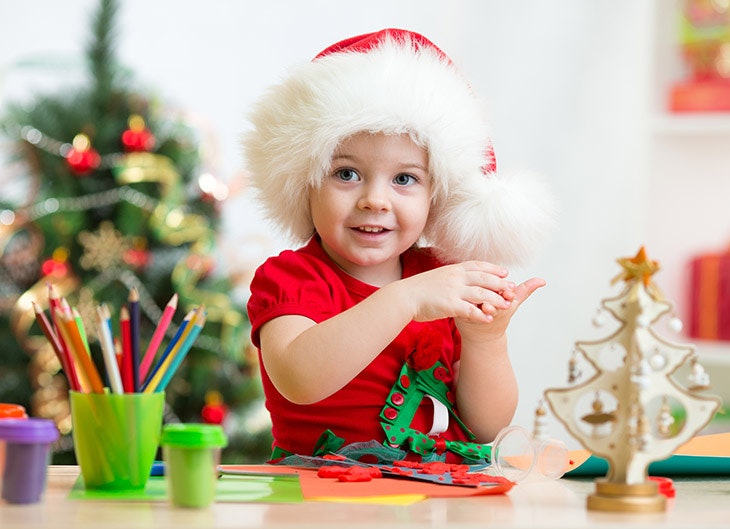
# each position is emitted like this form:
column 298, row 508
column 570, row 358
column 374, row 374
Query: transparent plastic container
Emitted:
column 517, row 456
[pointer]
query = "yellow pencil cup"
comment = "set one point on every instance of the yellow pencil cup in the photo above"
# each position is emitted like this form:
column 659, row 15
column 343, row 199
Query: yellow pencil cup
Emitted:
column 116, row 437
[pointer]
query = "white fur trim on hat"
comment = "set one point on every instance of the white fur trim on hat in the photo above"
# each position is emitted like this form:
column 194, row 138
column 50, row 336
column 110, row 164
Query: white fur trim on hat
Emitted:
column 498, row 218
column 396, row 87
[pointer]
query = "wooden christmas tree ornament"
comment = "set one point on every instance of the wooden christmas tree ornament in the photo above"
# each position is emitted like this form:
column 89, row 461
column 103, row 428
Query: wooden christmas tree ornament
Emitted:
column 632, row 410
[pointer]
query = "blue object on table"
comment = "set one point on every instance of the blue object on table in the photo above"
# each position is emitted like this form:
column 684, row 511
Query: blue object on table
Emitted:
column 158, row 469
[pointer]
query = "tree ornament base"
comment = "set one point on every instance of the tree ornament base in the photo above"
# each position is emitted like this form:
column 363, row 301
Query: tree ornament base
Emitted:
column 622, row 497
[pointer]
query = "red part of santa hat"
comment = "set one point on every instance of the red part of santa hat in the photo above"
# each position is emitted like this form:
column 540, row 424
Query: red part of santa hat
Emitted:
column 395, row 81
column 364, row 43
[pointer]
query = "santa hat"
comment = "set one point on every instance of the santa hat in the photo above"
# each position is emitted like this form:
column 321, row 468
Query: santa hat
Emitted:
column 394, row 82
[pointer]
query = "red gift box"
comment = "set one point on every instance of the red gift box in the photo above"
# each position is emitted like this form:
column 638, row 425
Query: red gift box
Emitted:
column 700, row 96
column 709, row 317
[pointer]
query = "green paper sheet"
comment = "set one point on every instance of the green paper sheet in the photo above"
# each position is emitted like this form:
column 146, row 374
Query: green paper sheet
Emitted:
column 232, row 489
column 676, row 465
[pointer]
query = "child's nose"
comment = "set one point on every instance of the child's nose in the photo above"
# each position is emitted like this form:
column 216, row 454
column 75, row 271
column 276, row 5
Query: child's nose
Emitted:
column 375, row 197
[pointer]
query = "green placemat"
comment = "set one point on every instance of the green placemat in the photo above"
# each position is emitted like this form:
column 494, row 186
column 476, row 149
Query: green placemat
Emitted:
column 676, row 465
column 232, row 489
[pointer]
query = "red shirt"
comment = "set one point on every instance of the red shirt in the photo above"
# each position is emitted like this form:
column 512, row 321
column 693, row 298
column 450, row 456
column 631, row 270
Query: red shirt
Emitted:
column 308, row 283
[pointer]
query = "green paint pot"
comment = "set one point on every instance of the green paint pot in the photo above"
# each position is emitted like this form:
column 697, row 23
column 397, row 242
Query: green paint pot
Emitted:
column 192, row 453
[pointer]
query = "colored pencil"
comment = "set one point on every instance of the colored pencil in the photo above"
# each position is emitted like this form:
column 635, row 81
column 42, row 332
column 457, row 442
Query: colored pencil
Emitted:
column 168, row 349
column 55, row 303
column 63, row 303
column 134, row 335
column 47, row 328
column 118, row 353
column 157, row 337
column 73, row 359
column 107, row 349
column 65, row 332
column 80, row 325
column 180, row 355
column 84, row 364
column 172, row 351
column 127, row 368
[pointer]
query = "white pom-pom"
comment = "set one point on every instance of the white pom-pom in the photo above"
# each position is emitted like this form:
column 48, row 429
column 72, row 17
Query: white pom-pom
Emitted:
column 494, row 218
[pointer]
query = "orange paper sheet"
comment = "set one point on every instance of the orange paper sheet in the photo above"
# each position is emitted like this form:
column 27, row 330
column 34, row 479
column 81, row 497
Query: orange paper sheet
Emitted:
column 314, row 487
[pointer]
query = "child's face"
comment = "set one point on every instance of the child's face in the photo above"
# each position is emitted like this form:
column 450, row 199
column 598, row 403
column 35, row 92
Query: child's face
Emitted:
column 373, row 204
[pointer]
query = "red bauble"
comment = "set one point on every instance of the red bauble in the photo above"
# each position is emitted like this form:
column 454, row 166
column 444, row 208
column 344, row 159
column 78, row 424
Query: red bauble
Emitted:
column 214, row 410
column 201, row 264
column 51, row 267
column 57, row 264
column 213, row 414
column 137, row 258
column 137, row 138
column 82, row 158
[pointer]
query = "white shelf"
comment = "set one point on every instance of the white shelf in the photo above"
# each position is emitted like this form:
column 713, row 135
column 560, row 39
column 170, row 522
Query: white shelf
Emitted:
column 692, row 123
column 713, row 353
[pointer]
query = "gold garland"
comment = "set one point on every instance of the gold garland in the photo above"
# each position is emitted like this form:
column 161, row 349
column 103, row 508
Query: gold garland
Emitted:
column 176, row 227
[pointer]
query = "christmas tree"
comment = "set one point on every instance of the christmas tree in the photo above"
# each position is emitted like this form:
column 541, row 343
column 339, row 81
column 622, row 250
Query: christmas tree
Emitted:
column 633, row 410
column 115, row 200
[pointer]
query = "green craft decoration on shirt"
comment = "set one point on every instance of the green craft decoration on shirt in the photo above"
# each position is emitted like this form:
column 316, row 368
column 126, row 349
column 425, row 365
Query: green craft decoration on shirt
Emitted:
column 422, row 375
column 402, row 404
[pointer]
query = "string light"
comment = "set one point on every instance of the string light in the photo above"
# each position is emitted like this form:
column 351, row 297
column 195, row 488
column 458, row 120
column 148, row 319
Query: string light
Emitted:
column 53, row 146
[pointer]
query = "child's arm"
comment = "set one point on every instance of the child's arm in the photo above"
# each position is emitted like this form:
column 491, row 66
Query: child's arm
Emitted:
column 307, row 362
column 486, row 386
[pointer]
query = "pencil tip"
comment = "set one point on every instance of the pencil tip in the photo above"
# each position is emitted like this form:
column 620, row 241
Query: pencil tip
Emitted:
column 133, row 294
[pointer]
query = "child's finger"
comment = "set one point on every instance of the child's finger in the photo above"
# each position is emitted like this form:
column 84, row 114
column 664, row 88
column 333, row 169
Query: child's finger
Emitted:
column 486, row 267
column 526, row 289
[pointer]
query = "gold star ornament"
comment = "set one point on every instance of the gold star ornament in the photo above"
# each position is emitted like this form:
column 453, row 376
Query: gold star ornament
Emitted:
column 638, row 267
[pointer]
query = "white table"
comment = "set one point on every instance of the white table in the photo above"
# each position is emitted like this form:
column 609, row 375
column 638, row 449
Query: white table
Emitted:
column 699, row 503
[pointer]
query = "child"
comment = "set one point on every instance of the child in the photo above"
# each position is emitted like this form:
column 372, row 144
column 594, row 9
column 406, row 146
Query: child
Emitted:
column 386, row 331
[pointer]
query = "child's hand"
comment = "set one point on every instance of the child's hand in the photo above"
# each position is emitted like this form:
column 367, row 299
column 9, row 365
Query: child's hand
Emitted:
column 472, row 329
column 472, row 291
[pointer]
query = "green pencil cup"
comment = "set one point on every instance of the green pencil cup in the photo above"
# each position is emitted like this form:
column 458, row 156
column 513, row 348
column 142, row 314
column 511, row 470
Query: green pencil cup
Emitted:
column 116, row 437
column 192, row 453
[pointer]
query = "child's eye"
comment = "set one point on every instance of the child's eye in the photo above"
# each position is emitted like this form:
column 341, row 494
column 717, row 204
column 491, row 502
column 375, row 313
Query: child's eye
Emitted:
column 404, row 179
column 347, row 175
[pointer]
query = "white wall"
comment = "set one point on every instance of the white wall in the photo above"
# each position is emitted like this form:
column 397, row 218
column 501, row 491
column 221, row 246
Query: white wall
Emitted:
column 571, row 86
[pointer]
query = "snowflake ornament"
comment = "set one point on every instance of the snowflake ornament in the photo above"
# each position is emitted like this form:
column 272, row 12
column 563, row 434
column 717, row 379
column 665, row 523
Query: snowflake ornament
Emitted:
column 103, row 248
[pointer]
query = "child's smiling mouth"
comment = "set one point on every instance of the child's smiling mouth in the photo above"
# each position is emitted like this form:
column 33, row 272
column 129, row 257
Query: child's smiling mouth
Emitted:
column 370, row 229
